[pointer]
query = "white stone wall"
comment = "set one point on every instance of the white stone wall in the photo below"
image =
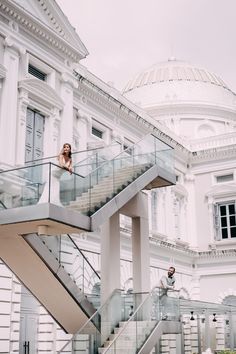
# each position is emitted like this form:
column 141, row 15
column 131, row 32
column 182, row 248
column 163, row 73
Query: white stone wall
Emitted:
column 10, row 293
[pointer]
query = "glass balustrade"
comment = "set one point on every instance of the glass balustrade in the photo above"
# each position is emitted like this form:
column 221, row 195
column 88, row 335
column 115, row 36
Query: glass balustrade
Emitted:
column 211, row 324
column 67, row 253
column 153, row 308
column 119, row 307
column 35, row 184
column 86, row 193
column 103, row 183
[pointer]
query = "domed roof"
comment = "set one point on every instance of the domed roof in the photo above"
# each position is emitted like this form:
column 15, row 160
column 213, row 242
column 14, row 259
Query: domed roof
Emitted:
column 173, row 70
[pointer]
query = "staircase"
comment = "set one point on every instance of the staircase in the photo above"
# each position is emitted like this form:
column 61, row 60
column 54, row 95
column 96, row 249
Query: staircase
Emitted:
column 144, row 328
column 68, row 264
column 97, row 196
column 127, row 339
column 60, row 203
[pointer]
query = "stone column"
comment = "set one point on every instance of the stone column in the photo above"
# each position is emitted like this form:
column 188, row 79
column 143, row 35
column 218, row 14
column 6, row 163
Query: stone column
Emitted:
column 68, row 84
column 2, row 77
column 211, row 219
column 8, row 109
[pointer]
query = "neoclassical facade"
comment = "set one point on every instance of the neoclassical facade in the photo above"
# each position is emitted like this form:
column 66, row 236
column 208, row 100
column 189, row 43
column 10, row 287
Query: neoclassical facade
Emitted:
column 47, row 97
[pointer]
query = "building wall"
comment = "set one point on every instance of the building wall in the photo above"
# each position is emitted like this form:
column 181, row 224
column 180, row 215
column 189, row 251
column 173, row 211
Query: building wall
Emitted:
column 180, row 216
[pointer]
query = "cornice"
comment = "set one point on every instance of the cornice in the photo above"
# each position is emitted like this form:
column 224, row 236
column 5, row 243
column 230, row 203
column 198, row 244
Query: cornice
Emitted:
column 38, row 29
column 114, row 103
column 125, row 109
column 215, row 153
column 217, row 253
column 41, row 91
column 212, row 141
column 193, row 108
column 210, row 254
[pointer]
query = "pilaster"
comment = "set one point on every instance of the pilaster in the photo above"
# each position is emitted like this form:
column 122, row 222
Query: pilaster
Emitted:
column 191, row 211
column 68, row 84
column 8, row 110
column 21, row 126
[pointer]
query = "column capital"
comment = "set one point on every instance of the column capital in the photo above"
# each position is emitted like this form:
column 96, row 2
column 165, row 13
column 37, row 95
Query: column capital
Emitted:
column 69, row 79
column 9, row 42
column 189, row 177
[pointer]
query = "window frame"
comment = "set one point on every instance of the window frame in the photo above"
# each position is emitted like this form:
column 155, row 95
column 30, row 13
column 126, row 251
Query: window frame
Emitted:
column 218, row 220
column 222, row 174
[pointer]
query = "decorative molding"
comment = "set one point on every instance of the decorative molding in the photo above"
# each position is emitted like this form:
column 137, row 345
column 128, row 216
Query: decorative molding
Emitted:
column 220, row 191
column 69, row 79
column 11, row 43
column 44, row 33
column 223, row 295
column 122, row 110
column 42, row 92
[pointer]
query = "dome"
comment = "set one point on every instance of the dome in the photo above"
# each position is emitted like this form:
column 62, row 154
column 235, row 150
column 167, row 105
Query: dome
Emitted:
column 173, row 70
column 191, row 101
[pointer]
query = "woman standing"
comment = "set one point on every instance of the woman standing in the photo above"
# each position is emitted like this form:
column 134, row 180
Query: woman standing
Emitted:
column 64, row 158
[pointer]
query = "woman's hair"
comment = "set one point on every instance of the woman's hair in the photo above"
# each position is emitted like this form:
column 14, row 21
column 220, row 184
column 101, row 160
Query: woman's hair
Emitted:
column 62, row 150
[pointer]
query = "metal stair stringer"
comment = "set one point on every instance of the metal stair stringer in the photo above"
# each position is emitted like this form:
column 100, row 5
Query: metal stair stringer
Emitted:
column 60, row 273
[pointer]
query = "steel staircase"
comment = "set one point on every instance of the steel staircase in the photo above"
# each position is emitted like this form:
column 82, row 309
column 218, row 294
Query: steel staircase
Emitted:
column 46, row 197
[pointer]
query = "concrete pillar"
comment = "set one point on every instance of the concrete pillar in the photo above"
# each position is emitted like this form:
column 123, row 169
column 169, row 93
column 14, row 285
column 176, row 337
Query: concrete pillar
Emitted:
column 110, row 275
column 110, row 256
column 137, row 209
column 140, row 254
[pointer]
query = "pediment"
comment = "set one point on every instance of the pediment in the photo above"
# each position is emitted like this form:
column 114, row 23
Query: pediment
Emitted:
column 49, row 14
column 39, row 90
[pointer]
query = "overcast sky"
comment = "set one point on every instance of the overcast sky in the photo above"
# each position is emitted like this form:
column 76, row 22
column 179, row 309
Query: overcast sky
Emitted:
column 124, row 37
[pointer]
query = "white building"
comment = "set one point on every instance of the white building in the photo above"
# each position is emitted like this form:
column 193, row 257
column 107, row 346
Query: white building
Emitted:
column 47, row 98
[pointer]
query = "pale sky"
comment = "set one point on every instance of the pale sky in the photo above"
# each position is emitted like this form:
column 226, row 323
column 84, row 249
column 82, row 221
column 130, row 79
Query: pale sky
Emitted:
column 125, row 37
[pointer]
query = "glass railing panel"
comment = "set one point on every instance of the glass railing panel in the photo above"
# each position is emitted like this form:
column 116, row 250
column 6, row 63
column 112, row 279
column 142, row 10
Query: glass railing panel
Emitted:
column 128, row 166
column 70, row 257
column 24, row 186
column 153, row 307
column 86, row 193
column 106, row 318
column 94, row 156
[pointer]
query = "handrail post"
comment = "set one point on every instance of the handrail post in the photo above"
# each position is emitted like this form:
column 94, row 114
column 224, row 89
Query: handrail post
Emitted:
column 49, row 182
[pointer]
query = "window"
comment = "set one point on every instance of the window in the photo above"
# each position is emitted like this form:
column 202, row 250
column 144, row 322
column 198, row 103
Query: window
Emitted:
column 225, row 178
column 98, row 133
column 226, row 220
column 32, row 70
